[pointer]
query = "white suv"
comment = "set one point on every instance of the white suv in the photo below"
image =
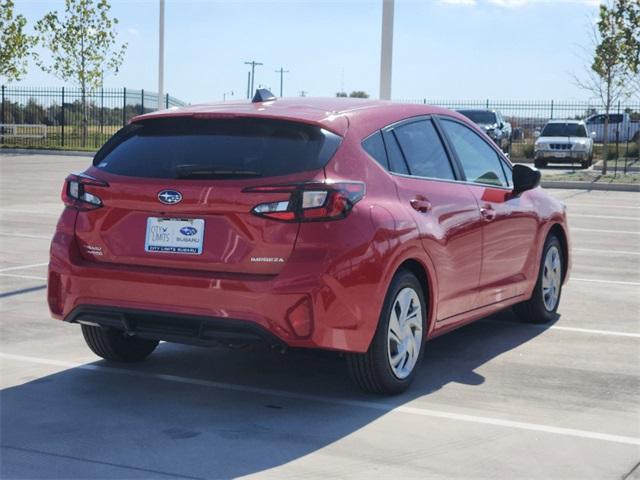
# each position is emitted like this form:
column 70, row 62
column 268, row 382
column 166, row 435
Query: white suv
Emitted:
column 564, row 141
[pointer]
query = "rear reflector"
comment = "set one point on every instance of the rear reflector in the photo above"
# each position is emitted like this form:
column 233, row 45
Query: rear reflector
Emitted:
column 301, row 319
column 54, row 293
column 309, row 202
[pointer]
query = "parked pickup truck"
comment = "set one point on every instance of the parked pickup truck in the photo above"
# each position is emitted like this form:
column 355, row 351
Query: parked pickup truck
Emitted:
column 621, row 127
column 492, row 122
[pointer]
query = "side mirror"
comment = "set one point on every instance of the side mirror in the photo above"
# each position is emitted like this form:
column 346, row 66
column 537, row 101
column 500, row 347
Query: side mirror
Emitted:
column 536, row 134
column 525, row 178
column 593, row 134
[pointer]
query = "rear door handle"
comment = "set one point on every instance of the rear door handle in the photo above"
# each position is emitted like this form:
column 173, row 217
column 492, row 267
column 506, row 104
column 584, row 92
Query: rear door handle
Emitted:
column 421, row 204
column 487, row 212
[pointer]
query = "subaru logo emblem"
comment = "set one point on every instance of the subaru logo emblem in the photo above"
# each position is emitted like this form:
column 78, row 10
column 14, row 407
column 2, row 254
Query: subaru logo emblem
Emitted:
column 188, row 231
column 169, row 197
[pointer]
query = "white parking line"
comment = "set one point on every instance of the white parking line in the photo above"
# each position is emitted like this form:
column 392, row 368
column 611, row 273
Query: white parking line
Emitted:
column 597, row 280
column 609, row 252
column 30, row 277
column 594, row 331
column 591, row 331
column 607, row 217
column 25, row 235
column 624, row 232
column 22, row 267
column 385, row 407
column 42, row 211
column 600, row 205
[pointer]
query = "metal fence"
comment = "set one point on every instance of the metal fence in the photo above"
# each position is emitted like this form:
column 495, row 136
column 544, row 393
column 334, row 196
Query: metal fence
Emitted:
column 527, row 117
column 58, row 117
column 55, row 117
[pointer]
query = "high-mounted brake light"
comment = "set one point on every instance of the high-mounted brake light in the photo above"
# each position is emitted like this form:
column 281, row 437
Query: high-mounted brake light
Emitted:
column 308, row 202
column 74, row 192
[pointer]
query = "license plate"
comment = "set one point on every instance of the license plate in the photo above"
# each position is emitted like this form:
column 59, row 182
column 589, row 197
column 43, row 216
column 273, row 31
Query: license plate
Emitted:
column 174, row 235
column 560, row 154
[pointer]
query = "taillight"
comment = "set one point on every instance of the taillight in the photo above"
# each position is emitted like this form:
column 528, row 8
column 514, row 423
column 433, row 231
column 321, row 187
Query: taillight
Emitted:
column 308, row 202
column 74, row 192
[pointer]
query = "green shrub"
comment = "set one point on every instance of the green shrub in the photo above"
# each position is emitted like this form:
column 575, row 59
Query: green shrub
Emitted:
column 528, row 150
column 633, row 151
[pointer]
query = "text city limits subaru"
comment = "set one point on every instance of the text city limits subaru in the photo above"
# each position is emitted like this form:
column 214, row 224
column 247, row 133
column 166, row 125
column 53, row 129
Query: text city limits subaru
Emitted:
column 364, row 227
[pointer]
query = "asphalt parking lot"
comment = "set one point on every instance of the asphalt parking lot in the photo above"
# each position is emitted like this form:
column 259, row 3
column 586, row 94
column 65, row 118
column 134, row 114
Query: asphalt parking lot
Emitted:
column 496, row 399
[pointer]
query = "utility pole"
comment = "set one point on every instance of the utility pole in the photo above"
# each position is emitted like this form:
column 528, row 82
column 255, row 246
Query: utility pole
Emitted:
column 161, row 57
column 386, row 49
column 253, row 64
column 248, row 85
column 282, row 71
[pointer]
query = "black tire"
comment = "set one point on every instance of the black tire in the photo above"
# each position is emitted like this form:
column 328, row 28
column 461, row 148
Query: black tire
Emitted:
column 372, row 371
column 534, row 310
column 540, row 163
column 584, row 164
column 507, row 148
column 112, row 344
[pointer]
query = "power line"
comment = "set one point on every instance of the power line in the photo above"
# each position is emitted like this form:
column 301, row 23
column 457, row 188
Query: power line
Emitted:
column 282, row 71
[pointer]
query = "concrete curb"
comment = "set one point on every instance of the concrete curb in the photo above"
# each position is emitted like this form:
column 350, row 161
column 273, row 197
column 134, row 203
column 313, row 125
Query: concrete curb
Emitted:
column 614, row 187
column 37, row 151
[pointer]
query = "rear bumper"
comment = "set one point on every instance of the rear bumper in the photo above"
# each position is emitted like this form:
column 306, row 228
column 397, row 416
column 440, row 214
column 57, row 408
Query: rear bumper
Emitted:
column 190, row 304
column 177, row 328
column 311, row 303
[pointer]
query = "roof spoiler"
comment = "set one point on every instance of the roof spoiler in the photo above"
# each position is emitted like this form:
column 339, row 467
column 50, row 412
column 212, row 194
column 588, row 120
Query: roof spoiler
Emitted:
column 263, row 95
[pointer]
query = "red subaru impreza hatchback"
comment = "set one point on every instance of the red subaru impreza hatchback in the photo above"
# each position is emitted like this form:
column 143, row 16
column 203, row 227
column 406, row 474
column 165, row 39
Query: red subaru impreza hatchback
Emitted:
column 360, row 226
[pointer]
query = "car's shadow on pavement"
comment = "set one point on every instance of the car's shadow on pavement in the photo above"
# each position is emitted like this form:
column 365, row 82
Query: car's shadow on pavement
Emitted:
column 177, row 414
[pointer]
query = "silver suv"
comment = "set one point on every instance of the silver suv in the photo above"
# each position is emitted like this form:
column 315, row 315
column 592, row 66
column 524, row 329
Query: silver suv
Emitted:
column 564, row 141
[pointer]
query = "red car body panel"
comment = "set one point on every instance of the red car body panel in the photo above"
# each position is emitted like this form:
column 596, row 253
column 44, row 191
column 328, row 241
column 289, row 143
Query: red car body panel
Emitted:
column 328, row 290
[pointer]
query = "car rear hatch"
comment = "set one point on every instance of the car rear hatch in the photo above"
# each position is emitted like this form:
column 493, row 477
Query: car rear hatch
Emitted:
column 182, row 193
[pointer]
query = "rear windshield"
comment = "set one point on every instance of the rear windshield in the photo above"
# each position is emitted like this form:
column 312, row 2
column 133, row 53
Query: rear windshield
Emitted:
column 216, row 148
column 479, row 116
column 564, row 130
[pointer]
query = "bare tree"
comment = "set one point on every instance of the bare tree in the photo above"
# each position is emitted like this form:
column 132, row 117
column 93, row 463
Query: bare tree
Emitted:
column 609, row 76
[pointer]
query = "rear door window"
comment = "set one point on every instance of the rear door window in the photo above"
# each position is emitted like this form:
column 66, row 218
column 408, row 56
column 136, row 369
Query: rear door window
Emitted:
column 397, row 163
column 423, row 150
column 216, row 148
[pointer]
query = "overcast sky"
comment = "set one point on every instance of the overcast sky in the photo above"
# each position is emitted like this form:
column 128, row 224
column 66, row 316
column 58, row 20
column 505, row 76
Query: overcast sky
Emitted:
column 443, row 49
